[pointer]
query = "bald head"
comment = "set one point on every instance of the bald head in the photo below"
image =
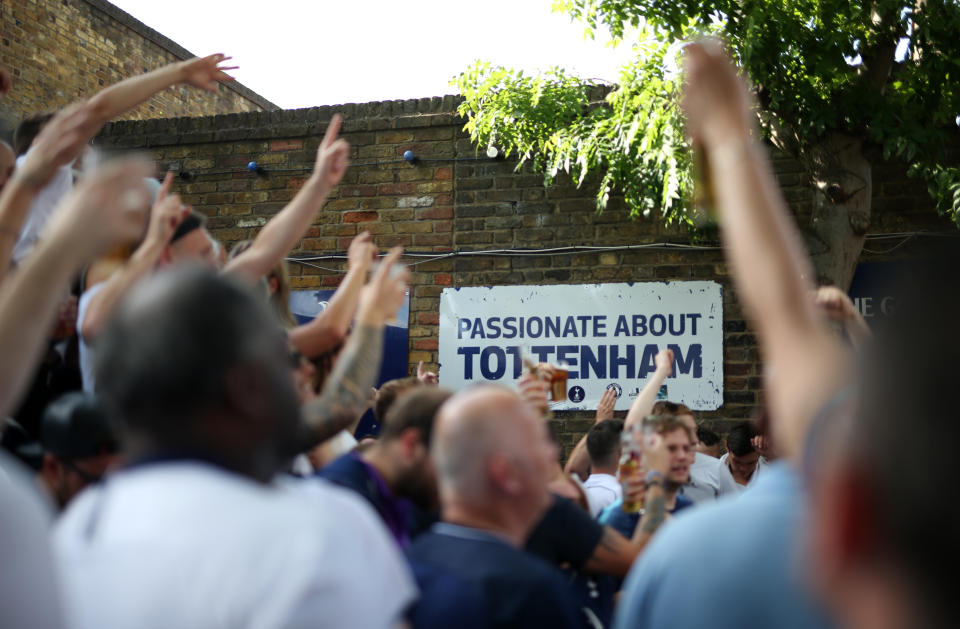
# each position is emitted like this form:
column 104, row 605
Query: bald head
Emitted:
column 7, row 163
column 472, row 426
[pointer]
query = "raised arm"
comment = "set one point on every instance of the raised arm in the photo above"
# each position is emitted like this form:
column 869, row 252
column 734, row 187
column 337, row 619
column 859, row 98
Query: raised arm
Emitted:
column 330, row 326
column 804, row 366
column 346, row 393
column 105, row 209
column 643, row 405
column 284, row 230
column 167, row 213
column 202, row 72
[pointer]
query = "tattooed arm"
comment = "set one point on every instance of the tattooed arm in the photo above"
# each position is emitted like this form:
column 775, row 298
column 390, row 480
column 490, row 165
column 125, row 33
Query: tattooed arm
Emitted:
column 345, row 395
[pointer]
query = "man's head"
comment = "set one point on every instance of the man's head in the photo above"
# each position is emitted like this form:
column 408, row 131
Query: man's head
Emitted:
column 681, row 412
column 388, row 393
column 7, row 163
column 192, row 365
column 79, row 445
column 405, row 440
column 27, row 131
column 191, row 242
column 879, row 466
column 493, row 455
column 709, row 442
column 678, row 442
column 603, row 445
column 741, row 453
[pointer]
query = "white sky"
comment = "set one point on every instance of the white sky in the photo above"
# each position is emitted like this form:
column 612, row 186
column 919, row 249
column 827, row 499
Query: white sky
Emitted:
column 304, row 53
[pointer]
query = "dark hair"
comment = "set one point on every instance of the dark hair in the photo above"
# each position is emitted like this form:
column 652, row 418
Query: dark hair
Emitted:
column 387, row 394
column 707, row 437
column 603, row 442
column 163, row 360
column 738, row 439
column 194, row 220
column 28, row 129
column 414, row 409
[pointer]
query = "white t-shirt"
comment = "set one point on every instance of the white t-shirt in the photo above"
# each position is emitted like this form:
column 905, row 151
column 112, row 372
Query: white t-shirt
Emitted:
column 42, row 208
column 709, row 479
column 602, row 490
column 86, row 352
column 28, row 593
column 189, row 545
column 761, row 463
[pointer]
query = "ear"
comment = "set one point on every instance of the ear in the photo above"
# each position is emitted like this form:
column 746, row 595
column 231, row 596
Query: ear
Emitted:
column 273, row 285
column 166, row 256
column 410, row 441
column 51, row 467
column 502, row 474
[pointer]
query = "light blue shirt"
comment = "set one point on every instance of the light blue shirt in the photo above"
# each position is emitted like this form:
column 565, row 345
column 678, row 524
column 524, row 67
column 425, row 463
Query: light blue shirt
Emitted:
column 732, row 563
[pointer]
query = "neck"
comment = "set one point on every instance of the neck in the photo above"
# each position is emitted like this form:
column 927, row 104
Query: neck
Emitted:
column 605, row 469
column 378, row 458
column 492, row 518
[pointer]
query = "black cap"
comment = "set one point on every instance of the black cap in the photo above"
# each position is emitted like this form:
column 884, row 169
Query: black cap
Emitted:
column 75, row 426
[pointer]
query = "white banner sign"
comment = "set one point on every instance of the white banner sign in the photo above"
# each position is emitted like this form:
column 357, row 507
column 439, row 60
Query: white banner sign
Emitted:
column 608, row 334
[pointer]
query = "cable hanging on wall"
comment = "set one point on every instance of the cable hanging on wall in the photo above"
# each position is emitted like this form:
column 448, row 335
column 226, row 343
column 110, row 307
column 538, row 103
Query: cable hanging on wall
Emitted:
column 426, row 257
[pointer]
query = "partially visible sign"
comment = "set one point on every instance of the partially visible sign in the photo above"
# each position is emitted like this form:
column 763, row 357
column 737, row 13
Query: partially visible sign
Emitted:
column 307, row 304
column 870, row 288
column 608, row 335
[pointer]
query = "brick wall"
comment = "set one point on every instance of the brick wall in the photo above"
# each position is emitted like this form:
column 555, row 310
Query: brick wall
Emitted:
column 61, row 50
column 452, row 201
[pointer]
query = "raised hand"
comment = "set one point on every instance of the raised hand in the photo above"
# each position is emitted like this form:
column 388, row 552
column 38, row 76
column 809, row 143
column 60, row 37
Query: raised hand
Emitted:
column 361, row 251
column 425, row 376
column 332, row 156
column 716, row 100
column 58, row 144
column 106, row 208
column 605, row 407
column 834, row 304
column 383, row 296
column 534, row 392
column 663, row 361
column 206, row 72
column 655, row 454
column 167, row 214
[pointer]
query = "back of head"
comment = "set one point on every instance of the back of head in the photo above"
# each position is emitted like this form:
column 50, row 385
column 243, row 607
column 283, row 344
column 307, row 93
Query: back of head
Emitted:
column 603, row 443
column 27, row 131
column 388, row 393
column 416, row 408
column 707, row 437
column 665, row 407
column 186, row 349
column 738, row 439
column 194, row 220
column 75, row 426
column 471, row 427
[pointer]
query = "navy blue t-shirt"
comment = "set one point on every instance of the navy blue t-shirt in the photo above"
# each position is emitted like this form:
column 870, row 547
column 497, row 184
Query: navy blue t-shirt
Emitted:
column 625, row 523
column 518, row 589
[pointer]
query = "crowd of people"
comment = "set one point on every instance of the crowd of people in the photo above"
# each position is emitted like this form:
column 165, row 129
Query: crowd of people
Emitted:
column 179, row 452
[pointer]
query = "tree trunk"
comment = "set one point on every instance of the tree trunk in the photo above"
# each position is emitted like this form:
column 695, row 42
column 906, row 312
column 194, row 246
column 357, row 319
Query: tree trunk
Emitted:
column 843, row 190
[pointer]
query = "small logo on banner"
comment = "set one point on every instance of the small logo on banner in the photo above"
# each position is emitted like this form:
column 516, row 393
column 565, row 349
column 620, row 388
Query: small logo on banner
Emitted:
column 576, row 394
column 616, row 389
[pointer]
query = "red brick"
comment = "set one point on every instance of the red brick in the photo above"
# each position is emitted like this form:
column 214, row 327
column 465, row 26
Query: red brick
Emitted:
column 443, row 279
column 428, row 318
column 435, row 212
column 396, row 188
column 443, row 173
column 425, row 344
column 359, row 217
column 286, row 145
